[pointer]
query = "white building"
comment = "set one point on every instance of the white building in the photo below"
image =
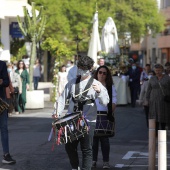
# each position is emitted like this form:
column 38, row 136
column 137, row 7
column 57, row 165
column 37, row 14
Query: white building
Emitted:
column 9, row 9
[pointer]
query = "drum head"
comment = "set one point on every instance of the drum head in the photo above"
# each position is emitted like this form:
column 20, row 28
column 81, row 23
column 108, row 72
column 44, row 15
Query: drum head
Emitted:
column 66, row 118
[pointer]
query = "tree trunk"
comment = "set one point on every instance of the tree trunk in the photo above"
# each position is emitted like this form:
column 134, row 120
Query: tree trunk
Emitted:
column 32, row 60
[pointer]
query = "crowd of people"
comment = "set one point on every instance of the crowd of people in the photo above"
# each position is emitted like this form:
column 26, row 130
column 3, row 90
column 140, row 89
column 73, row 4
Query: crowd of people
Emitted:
column 18, row 73
column 98, row 104
column 148, row 87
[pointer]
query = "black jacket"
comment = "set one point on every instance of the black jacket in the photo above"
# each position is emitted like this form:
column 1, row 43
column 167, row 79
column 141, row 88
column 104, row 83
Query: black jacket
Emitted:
column 4, row 76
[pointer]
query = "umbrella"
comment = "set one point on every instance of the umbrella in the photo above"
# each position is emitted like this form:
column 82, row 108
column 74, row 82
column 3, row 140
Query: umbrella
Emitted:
column 94, row 45
column 109, row 39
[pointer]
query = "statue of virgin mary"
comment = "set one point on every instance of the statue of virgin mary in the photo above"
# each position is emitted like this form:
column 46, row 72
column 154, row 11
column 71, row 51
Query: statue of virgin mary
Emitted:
column 109, row 39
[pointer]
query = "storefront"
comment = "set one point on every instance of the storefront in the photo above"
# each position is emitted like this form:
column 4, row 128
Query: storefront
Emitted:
column 9, row 9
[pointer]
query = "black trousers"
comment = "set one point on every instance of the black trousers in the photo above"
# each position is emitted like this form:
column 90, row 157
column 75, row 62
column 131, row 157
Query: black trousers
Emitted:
column 86, row 148
column 134, row 93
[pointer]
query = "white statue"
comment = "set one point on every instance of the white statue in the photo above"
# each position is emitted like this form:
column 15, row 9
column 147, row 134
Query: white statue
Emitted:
column 109, row 39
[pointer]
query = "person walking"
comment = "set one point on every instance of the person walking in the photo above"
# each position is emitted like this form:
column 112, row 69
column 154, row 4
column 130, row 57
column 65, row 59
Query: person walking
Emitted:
column 21, row 70
column 88, row 107
column 4, row 82
column 158, row 87
column 142, row 97
column 134, row 82
column 62, row 79
column 145, row 73
column 17, row 85
column 106, row 113
column 36, row 73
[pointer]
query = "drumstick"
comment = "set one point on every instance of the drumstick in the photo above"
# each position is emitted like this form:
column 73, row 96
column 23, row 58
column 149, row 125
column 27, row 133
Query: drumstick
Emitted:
column 83, row 92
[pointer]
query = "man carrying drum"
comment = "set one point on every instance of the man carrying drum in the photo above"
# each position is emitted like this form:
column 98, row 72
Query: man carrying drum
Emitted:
column 82, row 92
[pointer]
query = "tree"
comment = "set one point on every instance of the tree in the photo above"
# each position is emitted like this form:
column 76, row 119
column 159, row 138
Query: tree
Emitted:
column 32, row 28
column 60, row 52
column 71, row 17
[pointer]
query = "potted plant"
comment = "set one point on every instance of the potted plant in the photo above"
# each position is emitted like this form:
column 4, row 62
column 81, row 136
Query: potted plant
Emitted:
column 32, row 27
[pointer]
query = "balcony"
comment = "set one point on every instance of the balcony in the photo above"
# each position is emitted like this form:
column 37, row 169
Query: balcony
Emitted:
column 164, row 41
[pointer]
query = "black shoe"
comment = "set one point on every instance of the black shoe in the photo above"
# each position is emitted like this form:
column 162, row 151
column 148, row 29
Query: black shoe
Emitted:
column 8, row 160
column 94, row 164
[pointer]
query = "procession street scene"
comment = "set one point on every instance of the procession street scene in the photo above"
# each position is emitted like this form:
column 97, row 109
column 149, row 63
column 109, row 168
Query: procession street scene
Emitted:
column 85, row 85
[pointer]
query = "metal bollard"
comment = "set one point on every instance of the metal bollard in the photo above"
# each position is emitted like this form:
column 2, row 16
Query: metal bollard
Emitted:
column 152, row 144
column 162, row 150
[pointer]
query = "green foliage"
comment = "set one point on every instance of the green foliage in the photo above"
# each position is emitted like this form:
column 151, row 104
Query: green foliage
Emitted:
column 1, row 45
column 69, row 18
column 15, row 45
column 61, row 53
column 18, row 55
column 33, row 26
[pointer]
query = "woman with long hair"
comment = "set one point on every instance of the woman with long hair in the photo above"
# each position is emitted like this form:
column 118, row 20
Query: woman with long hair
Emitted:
column 22, row 71
column 104, row 76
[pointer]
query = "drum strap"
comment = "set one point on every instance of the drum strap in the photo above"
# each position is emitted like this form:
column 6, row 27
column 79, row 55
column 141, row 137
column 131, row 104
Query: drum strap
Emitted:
column 79, row 102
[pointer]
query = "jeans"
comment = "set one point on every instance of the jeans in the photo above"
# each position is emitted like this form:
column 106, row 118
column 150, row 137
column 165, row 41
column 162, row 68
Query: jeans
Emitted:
column 86, row 148
column 4, row 131
column 36, row 80
column 105, row 147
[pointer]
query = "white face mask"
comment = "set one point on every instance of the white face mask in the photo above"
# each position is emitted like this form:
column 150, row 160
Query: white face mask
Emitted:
column 68, row 65
column 83, row 73
column 9, row 70
column 133, row 67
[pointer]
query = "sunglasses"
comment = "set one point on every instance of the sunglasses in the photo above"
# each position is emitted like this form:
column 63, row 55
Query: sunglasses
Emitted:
column 158, row 66
column 104, row 73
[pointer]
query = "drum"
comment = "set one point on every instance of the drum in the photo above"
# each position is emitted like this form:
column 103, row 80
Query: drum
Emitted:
column 70, row 127
column 104, row 127
column 3, row 106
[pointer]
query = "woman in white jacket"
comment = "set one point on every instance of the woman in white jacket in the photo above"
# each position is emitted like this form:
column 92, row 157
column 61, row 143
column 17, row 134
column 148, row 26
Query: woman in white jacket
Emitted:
column 17, row 85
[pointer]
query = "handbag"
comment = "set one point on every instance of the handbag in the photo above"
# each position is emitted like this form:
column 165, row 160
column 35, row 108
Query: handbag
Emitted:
column 16, row 90
column 3, row 106
column 166, row 97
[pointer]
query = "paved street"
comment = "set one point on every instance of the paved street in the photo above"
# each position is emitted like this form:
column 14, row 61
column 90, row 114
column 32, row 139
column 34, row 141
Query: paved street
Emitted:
column 29, row 132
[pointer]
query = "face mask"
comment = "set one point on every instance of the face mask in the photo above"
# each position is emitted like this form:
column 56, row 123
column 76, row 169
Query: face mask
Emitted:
column 83, row 73
column 133, row 67
column 68, row 65
column 149, row 76
column 9, row 70
column 76, row 62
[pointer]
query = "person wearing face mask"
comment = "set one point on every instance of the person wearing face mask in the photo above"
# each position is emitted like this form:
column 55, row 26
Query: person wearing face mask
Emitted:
column 142, row 97
column 85, row 102
column 134, row 82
